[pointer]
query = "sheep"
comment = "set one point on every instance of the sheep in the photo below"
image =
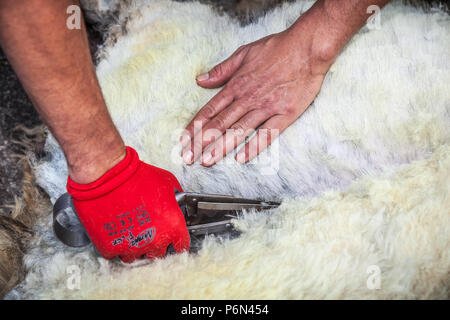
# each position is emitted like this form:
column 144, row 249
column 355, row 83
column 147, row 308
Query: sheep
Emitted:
column 363, row 173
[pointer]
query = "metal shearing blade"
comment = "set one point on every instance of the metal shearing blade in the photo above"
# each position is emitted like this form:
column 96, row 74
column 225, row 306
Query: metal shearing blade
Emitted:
column 212, row 214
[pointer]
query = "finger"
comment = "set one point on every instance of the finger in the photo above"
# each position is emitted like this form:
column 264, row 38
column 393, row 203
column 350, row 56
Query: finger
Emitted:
column 222, row 72
column 213, row 130
column 220, row 123
column 209, row 111
column 233, row 137
column 265, row 135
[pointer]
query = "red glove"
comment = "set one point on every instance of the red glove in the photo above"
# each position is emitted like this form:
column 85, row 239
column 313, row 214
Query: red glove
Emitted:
column 131, row 210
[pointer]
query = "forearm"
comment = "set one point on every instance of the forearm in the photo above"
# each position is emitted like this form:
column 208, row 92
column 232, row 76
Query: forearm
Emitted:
column 54, row 65
column 329, row 24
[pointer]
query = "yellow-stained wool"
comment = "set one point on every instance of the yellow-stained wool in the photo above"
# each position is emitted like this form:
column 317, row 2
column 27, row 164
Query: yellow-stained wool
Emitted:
column 363, row 174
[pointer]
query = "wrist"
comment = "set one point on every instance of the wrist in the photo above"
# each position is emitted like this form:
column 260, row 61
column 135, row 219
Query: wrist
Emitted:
column 95, row 160
column 323, row 35
column 114, row 177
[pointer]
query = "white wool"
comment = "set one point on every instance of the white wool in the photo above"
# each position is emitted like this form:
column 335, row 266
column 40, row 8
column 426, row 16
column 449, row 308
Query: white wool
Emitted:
column 384, row 104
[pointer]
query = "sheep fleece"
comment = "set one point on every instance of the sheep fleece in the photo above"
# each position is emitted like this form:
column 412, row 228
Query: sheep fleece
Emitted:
column 363, row 174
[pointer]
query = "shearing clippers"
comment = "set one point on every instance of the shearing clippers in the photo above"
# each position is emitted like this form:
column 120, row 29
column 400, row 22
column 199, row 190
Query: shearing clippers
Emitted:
column 204, row 214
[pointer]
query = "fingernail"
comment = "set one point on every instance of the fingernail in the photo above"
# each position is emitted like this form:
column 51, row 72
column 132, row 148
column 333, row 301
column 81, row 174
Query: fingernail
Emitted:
column 240, row 157
column 207, row 158
column 203, row 77
column 187, row 157
column 185, row 138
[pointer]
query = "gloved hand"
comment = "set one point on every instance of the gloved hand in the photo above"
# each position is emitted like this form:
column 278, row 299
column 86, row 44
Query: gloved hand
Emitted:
column 131, row 210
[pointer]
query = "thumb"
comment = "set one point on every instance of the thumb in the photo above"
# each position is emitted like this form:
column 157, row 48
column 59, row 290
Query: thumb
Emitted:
column 222, row 72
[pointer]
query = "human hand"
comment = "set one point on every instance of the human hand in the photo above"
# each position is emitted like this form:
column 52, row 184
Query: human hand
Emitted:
column 131, row 211
column 268, row 84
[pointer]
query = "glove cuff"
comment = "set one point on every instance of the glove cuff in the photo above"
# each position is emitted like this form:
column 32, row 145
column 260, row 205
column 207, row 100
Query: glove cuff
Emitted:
column 112, row 179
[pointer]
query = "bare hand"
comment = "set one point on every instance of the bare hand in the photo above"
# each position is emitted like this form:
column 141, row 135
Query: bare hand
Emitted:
column 268, row 84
